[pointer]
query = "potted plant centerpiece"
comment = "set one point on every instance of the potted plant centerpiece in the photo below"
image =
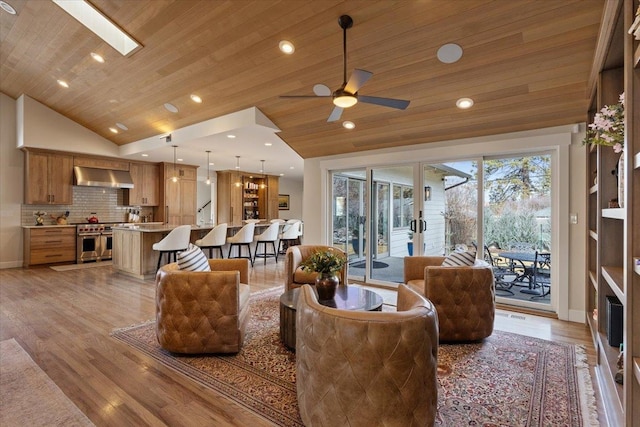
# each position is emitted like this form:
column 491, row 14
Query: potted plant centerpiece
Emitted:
column 326, row 263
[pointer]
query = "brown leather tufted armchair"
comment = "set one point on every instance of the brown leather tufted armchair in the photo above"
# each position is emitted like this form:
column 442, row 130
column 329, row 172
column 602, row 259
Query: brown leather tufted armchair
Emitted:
column 362, row 368
column 295, row 276
column 203, row 312
column 464, row 296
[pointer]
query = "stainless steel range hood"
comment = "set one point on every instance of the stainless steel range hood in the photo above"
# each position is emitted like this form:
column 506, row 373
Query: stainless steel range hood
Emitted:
column 93, row 177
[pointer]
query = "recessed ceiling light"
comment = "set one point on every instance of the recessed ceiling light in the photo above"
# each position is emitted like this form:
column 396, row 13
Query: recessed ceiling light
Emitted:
column 464, row 103
column 268, row 144
column 348, row 125
column 196, row 98
column 63, row 83
column 122, row 126
column 281, row 174
column 286, row 47
column 449, row 53
column 231, row 136
column 99, row 24
column 211, row 163
column 113, row 130
column 7, row 7
column 180, row 160
column 145, row 155
column 171, row 107
column 97, row 57
column 291, row 167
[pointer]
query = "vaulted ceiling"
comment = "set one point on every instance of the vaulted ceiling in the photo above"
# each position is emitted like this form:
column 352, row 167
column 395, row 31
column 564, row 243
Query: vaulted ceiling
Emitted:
column 526, row 64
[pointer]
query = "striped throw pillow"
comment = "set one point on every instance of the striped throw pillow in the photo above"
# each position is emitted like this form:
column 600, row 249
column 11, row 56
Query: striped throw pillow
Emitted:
column 460, row 259
column 193, row 259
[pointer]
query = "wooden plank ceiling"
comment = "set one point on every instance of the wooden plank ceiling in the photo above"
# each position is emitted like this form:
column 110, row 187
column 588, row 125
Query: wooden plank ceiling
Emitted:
column 525, row 64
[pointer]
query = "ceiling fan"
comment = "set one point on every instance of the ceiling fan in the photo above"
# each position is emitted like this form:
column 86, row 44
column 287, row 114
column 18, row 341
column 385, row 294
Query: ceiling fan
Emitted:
column 347, row 95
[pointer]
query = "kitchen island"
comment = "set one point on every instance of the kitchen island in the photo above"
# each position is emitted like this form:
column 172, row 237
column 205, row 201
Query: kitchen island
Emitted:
column 133, row 252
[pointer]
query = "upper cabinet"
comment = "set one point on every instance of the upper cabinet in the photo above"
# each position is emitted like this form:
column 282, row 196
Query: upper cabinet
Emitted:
column 48, row 178
column 146, row 185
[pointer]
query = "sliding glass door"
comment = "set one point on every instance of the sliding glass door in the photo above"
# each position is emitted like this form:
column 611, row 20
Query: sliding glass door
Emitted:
column 491, row 205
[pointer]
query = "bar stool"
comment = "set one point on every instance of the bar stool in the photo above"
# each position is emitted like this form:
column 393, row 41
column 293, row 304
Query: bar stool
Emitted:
column 215, row 239
column 289, row 236
column 177, row 240
column 270, row 235
column 244, row 237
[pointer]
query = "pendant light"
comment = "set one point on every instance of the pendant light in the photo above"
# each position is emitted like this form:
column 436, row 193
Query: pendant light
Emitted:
column 238, row 183
column 208, row 181
column 264, row 176
column 174, row 178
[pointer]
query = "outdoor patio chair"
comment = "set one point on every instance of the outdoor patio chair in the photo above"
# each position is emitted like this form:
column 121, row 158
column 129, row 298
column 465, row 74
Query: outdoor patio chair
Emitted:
column 501, row 269
column 541, row 276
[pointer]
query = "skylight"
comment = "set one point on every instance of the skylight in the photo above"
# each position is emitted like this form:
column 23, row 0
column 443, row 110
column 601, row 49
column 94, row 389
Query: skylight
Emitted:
column 91, row 18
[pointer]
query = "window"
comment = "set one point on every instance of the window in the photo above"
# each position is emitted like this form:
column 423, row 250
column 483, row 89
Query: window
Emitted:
column 402, row 205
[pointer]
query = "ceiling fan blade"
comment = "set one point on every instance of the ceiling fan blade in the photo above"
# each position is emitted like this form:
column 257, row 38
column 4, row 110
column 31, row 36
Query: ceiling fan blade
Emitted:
column 335, row 114
column 400, row 104
column 357, row 79
column 305, row 96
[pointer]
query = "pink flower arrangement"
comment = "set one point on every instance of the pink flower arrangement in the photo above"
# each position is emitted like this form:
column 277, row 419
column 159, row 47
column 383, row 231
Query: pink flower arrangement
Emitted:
column 608, row 127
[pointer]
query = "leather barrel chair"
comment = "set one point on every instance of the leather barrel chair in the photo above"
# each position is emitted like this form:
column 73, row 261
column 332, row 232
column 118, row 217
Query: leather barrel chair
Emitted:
column 464, row 296
column 365, row 368
column 295, row 276
column 203, row 312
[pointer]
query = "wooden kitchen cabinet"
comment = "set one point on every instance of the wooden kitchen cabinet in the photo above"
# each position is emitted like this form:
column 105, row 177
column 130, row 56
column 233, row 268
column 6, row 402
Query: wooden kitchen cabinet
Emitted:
column 145, row 191
column 48, row 245
column 243, row 196
column 180, row 198
column 48, row 178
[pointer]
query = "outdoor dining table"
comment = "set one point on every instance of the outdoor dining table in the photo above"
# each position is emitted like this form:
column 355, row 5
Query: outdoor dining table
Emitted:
column 521, row 258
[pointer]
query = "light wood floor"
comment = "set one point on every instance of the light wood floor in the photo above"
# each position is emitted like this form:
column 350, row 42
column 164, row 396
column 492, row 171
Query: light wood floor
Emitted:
column 63, row 320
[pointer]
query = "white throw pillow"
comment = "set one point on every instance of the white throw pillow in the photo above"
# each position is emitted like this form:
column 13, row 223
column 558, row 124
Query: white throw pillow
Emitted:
column 193, row 259
column 460, row 259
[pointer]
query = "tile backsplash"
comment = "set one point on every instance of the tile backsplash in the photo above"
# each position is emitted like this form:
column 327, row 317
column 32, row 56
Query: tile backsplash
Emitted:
column 105, row 203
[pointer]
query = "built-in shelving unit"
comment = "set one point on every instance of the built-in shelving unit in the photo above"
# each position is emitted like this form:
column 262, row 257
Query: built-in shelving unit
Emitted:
column 613, row 249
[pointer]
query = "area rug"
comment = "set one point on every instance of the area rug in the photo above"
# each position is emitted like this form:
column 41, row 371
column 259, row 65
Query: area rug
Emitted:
column 507, row 380
column 28, row 396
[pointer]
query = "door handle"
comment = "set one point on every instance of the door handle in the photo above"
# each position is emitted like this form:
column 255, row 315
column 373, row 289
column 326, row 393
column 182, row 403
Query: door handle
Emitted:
column 412, row 225
column 423, row 225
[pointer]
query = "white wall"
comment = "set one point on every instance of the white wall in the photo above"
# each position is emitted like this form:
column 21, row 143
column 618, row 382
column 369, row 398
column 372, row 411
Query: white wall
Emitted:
column 294, row 189
column 41, row 127
column 569, row 240
column 11, row 186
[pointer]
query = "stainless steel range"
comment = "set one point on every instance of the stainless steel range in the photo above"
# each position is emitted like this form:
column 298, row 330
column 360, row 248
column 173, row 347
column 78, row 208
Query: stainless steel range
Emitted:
column 94, row 242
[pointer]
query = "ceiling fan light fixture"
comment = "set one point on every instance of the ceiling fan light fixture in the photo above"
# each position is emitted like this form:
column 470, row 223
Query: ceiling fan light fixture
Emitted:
column 344, row 100
column 464, row 103
column 286, row 47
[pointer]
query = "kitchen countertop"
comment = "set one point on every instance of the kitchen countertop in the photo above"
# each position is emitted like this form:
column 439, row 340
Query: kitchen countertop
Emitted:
column 49, row 226
column 155, row 228
column 161, row 228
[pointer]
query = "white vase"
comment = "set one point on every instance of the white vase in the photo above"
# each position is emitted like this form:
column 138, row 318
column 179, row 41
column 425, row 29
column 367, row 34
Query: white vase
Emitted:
column 621, row 180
